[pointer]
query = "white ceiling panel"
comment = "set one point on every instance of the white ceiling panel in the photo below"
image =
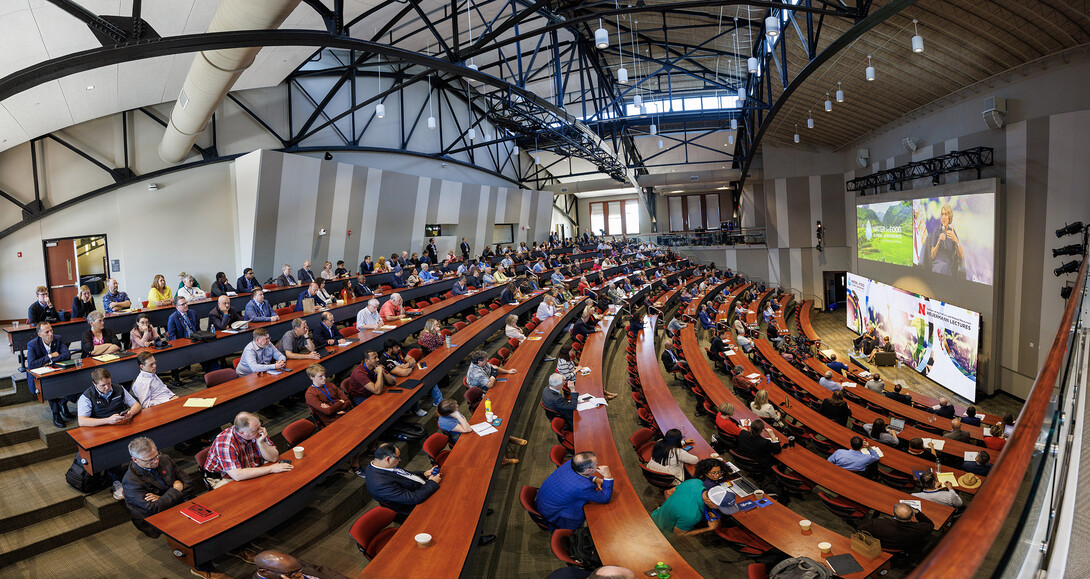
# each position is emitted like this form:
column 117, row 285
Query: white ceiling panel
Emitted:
column 90, row 103
column 11, row 134
column 141, row 82
column 63, row 34
column 12, row 6
column 20, row 42
column 41, row 109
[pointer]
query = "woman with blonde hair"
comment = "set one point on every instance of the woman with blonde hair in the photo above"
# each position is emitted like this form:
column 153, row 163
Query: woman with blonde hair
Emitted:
column 763, row 408
column 83, row 303
column 160, row 294
column 512, row 330
column 430, row 339
column 327, row 271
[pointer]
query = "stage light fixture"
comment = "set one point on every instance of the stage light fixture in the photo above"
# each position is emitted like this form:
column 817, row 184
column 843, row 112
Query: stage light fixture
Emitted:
column 1073, row 249
column 1069, row 267
column 1070, row 229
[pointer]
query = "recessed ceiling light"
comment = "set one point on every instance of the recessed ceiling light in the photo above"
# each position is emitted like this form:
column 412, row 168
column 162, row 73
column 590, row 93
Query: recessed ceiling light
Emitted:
column 90, row 87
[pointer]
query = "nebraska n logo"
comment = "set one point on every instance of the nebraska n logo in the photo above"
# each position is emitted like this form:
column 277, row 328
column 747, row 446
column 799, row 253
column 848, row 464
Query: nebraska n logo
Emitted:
column 923, row 309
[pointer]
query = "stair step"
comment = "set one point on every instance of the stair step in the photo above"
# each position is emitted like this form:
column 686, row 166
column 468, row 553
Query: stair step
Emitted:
column 24, row 454
column 39, row 537
column 35, row 492
column 16, row 436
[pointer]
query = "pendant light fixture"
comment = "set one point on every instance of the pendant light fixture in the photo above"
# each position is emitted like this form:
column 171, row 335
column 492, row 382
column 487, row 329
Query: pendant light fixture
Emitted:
column 654, row 128
column 380, row 109
column 839, row 93
column 660, row 143
column 472, row 133
column 622, row 72
column 753, row 62
column 828, row 104
column 810, row 120
column 796, row 132
column 734, row 124
column 730, row 139
column 870, row 69
column 601, row 37
column 638, row 100
column 917, row 40
column 431, row 117
column 741, row 95
column 772, row 27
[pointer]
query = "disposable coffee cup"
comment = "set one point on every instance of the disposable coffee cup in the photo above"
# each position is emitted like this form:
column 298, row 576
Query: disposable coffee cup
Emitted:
column 15, row 324
column 489, row 416
column 422, row 540
column 826, row 548
column 298, row 452
column 758, row 494
column 805, row 525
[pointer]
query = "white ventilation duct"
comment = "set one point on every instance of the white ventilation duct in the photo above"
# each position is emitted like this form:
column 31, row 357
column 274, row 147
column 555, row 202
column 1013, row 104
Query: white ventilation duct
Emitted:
column 214, row 72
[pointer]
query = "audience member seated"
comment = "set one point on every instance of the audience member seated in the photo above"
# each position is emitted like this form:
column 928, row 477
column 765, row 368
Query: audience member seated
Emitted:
column 258, row 310
column 744, row 342
column 995, row 439
column 360, row 288
column 970, row 417
column 669, row 456
column 900, row 532
column 511, row 329
column 724, row 420
column 326, row 298
column 114, row 300
column 82, row 303
column 246, row 282
column 880, row 432
column 572, row 485
column 243, row 451
column 838, row 367
column 223, row 315
column 148, row 389
column 944, row 408
column 153, row 483
column 675, row 325
column 836, row 409
column 260, row 355
column 42, row 309
column 399, row 365
column 898, row 395
column 670, row 360
column 956, row 433
column 546, row 309
column 429, row 338
column 368, row 378
column 685, row 511
column 296, row 344
column 742, row 385
column 277, row 565
column 286, row 278
column 876, row 384
column 858, row 458
column 454, row 425
column 943, row 494
column 916, row 448
column 764, row 409
column 189, row 291
column 311, row 293
column 393, row 310
column 45, row 350
column 552, row 397
column 97, row 340
column 827, row 381
column 752, row 444
column 326, row 333
column 182, row 322
column 306, row 275
column 160, row 295
column 481, row 373
column 326, row 401
column 396, row 488
column 979, row 465
column 102, row 405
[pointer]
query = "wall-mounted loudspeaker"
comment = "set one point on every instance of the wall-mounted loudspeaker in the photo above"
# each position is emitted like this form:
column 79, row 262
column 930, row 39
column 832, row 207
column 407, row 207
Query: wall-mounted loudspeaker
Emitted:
column 995, row 112
column 861, row 157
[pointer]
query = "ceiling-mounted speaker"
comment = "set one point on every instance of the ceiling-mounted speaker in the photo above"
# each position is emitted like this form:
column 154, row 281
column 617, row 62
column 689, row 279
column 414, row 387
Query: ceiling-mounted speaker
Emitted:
column 995, row 112
column 861, row 157
column 910, row 144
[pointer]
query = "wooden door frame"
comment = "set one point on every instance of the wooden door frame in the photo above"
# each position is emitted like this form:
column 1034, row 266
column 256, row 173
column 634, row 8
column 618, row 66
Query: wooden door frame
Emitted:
column 45, row 261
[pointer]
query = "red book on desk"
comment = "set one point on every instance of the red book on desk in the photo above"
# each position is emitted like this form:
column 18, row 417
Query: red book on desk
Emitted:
column 199, row 513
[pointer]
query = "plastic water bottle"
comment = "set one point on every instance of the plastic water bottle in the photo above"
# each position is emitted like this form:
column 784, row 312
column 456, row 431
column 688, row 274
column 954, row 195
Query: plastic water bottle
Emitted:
column 487, row 405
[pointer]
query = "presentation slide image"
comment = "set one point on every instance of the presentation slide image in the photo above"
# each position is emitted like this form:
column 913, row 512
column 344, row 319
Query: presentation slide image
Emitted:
column 955, row 236
column 884, row 232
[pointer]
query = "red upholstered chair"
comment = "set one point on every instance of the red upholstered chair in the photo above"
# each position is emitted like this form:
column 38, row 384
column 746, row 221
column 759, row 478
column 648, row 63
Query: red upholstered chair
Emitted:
column 757, row 571
column 416, row 354
column 284, row 310
column 298, row 431
column 459, row 326
column 563, row 436
column 268, row 286
column 436, row 445
column 217, row 377
column 513, row 343
column 528, row 498
column 474, row 396
column 370, row 532
column 471, row 318
column 657, row 479
column 644, row 452
column 559, row 545
column 436, row 300
column 349, row 332
column 558, row 454
column 504, row 354
column 550, row 414
column 445, row 333
column 744, row 541
column 843, row 507
column 641, row 437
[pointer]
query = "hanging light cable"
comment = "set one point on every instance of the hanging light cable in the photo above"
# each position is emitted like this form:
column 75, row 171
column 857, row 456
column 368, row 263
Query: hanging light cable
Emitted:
column 796, row 132
column 601, row 37
column 431, row 117
column 380, row 109
column 622, row 72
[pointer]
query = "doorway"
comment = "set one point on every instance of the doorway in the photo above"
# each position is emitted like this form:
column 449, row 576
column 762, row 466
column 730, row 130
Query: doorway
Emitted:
column 71, row 262
column 836, row 289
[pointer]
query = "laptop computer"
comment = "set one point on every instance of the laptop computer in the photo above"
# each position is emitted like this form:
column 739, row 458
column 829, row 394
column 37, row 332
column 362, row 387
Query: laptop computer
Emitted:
column 897, row 424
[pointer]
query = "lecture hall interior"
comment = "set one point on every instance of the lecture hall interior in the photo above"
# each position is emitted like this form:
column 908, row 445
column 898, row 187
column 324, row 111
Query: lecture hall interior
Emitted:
column 544, row 289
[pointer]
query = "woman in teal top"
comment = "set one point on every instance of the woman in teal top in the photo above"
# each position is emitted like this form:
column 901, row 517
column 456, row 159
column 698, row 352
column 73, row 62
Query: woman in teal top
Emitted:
column 684, row 510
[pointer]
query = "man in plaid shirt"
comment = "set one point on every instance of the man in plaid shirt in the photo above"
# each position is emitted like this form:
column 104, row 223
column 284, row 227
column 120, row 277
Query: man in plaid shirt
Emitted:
column 244, row 451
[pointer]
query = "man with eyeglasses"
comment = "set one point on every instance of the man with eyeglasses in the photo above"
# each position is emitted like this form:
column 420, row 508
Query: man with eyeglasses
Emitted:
column 42, row 309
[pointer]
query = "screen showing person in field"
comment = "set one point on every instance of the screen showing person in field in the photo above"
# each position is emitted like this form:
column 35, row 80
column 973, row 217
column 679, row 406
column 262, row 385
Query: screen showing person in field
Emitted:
column 951, row 236
column 884, row 232
column 955, row 236
column 939, row 340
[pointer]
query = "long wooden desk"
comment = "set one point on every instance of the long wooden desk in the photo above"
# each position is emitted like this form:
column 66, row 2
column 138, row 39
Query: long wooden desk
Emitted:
column 171, row 422
column 806, row 329
column 182, row 352
column 623, row 530
column 248, row 508
column 467, row 476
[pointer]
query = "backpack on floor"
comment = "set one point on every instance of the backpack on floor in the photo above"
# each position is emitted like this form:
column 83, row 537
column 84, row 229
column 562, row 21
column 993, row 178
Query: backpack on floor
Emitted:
column 800, row 568
column 581, row 548
column 83, row 481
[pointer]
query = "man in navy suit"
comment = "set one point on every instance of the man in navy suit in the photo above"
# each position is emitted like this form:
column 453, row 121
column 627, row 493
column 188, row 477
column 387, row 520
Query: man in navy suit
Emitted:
column 465, row 248
column 572, row 485
column 44, row 350
column 181, row 324
column 310, row 293
column 326, row 333
column 246, row 283
column 394, row 487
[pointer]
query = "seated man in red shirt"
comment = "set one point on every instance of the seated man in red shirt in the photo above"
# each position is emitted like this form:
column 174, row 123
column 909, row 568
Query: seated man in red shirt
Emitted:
column 393, row 309
column 326, row 401
column 243, row 451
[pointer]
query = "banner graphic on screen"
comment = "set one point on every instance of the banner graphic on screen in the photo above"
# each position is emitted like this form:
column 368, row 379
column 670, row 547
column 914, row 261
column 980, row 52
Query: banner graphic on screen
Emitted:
column 952, row 236
column 939, row 340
